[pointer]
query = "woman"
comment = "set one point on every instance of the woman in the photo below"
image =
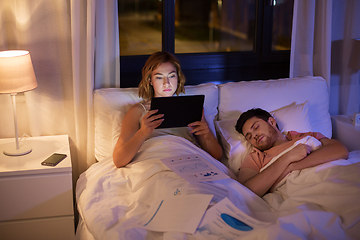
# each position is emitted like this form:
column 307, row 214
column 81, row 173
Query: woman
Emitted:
column 161, row 77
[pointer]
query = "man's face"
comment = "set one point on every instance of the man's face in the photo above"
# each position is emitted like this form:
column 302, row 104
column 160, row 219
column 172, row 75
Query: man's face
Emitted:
column 259, row 133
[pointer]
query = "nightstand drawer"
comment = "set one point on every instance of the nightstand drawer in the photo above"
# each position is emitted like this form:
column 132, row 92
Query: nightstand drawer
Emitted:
column 36, row 196
column 61, row 228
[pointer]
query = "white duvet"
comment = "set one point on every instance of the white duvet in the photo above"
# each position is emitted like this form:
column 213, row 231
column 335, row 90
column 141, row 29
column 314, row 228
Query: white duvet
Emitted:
column 316, row 203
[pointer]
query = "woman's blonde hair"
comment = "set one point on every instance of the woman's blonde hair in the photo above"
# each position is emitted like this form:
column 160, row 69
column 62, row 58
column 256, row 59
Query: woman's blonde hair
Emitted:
column 146, row 90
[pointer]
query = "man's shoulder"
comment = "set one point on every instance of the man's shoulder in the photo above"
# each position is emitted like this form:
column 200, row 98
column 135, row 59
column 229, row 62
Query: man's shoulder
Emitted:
column 253, row 159
column 254, row 155
column 292, row 135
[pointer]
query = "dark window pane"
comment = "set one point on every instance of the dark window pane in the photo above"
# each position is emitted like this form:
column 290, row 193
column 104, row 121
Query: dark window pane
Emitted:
column 282, row 24
column 140, row 26
column 214, row 26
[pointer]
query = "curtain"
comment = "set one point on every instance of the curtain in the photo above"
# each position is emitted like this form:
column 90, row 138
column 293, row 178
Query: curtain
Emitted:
column 74, row 47
column 95, row 64
column 107, row 57
column 323, row 32
column 83, row 51
column 311, row 39
column 95, row 58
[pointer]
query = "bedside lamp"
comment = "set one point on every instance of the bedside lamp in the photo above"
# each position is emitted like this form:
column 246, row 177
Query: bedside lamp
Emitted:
column 16, row 75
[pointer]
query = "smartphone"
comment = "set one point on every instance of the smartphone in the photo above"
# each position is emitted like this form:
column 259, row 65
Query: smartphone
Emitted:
column 54, row 159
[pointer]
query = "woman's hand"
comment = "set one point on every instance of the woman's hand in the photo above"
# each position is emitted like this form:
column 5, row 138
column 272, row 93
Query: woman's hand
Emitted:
column 200, row 127
column 132, row 137
column 150, row 121
column 205, row 137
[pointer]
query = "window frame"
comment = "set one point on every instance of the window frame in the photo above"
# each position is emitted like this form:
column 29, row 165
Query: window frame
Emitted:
column 220, row 67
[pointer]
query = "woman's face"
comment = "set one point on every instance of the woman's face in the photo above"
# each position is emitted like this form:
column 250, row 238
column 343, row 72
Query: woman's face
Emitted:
column 164, row 80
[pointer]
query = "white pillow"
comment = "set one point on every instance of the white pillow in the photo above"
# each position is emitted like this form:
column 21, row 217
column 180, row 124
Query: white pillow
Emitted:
column 107, row 100
column 108, row 123
column 234, row 144
column 293, row 117
column 116, row 122
column 237, row 97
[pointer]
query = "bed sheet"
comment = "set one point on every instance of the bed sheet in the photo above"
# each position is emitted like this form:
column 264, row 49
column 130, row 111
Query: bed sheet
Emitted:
column 111, row 200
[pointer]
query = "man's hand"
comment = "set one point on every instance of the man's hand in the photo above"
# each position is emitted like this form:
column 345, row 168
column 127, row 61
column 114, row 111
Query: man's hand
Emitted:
column 329, row 151
column 261, row 182
column 287, row 171
column 298, row 153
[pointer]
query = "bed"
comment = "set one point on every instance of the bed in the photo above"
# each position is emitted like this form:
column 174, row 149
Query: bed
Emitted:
column 316, row 203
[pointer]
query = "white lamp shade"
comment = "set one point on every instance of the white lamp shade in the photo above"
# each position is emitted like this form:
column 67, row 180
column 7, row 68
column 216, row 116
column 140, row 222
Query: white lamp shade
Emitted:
column 16, row 72
column 354, row 61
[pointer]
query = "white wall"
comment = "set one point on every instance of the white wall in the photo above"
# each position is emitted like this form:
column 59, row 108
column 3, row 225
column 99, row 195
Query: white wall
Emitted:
column 345, row 82
column 42, row 28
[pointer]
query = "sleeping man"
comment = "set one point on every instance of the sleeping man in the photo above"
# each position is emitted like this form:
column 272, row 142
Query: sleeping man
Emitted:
column 295, row 151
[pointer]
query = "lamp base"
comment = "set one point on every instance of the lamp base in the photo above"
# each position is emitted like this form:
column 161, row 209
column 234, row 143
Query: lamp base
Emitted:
column 10, row 149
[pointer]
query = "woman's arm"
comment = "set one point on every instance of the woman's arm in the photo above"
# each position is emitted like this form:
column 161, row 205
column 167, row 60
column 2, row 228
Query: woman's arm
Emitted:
column 206, row 138
column 132, row 136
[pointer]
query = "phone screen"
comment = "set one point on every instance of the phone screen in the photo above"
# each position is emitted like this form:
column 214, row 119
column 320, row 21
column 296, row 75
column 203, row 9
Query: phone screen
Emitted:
column 54, row 159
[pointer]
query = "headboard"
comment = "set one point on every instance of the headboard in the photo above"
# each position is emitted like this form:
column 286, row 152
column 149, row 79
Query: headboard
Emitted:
column 300, row 104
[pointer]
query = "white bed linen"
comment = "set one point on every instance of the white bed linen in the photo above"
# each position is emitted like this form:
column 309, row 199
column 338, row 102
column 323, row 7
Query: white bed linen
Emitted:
column 320, row 203
column 325, row 197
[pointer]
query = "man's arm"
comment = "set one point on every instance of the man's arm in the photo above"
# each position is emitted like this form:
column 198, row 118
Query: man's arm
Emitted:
column 330, row 150
column 261, row 182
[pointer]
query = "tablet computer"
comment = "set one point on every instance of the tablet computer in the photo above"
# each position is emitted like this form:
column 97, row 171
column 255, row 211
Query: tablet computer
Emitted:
column 179, row 111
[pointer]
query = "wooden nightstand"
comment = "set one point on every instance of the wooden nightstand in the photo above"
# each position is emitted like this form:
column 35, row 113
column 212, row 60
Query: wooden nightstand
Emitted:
column 36, row 202
column 345, row 132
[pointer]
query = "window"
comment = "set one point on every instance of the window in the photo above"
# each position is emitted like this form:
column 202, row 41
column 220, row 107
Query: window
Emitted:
column 218, row 40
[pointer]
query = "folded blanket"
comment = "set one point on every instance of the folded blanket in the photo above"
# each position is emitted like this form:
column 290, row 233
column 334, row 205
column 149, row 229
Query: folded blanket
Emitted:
column 308, row 140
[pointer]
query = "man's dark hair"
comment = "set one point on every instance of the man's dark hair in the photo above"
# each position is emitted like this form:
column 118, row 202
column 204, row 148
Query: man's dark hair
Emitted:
column 254, row 112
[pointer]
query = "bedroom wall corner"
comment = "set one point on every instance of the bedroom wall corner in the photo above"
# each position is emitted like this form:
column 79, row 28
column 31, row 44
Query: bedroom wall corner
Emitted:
column 345, row 81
